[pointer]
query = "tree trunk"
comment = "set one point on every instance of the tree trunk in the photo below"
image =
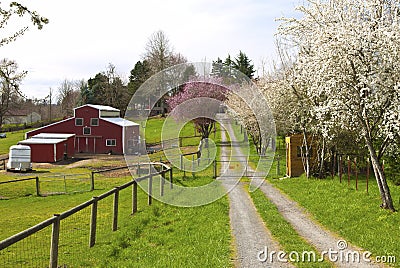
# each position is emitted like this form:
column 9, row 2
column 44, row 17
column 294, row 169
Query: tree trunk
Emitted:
column 387, row 202
column 321, row 162
column 306, row 157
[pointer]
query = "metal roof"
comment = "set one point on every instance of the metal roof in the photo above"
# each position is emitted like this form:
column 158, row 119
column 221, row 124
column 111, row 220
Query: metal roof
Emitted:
column 120, row 121
column 41, row 141
column 52, row 136
column 20, row 147
column 99, row 107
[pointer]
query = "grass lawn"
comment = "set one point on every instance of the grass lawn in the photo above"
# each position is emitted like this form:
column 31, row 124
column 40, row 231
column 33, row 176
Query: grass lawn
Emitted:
column 282, row 230
column 12, row 139
column 352, row 214
column 154, row 127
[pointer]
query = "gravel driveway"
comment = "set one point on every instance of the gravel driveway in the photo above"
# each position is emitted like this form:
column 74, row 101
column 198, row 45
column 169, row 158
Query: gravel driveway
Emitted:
column 251, row 236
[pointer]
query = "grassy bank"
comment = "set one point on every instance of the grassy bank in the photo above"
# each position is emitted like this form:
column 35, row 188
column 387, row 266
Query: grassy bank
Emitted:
column 282, row 231
column 354, row 215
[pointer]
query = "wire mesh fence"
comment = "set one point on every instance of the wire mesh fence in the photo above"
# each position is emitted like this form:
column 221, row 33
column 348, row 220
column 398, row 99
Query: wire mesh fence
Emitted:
column 74, row 235
column 19, row 188
column 64, row 183
column 30, row 252
column 66, row 235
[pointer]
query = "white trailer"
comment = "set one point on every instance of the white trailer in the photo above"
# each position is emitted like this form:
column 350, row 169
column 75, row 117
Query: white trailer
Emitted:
column 19, row 158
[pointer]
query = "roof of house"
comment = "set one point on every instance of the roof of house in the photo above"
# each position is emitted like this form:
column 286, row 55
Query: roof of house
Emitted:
column 99, row 107
column 41, row 141
column 120, row 121
column 52, row 136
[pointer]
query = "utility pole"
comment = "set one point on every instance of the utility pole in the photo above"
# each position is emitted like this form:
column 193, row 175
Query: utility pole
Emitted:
column 50, row 95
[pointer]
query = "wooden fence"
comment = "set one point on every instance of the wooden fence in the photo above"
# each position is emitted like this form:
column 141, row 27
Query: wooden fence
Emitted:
column 3, row 163
column 56, row 220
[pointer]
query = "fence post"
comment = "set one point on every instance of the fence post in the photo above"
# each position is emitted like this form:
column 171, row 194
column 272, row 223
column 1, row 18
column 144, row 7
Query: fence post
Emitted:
column 92, row 181
column 115, row 212
column 192, row 164
column 55, row 235
column 367, row 173
column 65, row 185
column 215, row 168
column 348, row 170
column 162, row 181
column 356, row 170
column 181, row 161
column 171, row 178
column 340, row 169
column 278, row 165
column 93, row 223
column 134, row 197
column 150, row 190
column 37, row 186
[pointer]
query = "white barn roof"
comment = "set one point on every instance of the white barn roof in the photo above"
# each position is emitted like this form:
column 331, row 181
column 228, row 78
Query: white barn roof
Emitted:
column 52, row 136
column 120, row 122
column 41, row 141
column 99, row 107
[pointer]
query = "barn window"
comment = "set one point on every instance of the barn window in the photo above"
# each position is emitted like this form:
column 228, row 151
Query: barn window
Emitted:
column 78, row 121
column 111, row 142
column 94, row 121
column 87, row 131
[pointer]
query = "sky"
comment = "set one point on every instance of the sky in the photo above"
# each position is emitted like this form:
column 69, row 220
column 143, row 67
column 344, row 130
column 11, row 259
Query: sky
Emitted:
column 84, row 36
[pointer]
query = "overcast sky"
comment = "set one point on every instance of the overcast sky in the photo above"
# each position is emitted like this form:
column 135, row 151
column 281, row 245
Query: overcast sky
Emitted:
column 83, row 36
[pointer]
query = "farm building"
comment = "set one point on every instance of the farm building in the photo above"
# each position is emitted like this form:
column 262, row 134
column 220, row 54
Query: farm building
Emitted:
column 98, row 129
column 49, row 148
column 295, row 151
column 21, row 117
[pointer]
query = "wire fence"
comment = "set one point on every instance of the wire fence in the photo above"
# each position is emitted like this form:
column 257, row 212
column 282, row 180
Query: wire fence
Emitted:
column 64, row 183
column 59, row 240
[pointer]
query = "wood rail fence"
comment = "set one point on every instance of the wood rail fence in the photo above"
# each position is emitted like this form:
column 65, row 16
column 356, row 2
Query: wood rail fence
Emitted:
column 56, row 220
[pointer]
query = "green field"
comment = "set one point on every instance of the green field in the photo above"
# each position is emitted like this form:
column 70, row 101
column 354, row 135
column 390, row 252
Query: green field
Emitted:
column 12, row 139
column 354, row 215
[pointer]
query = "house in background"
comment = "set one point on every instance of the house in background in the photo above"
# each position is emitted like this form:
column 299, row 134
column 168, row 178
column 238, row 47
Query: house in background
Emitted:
column 15, row 116
column 98, row 129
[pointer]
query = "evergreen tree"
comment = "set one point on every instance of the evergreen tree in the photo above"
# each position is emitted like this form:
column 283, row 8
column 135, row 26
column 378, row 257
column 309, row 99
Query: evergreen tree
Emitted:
column 243, row 64
column 139, row 74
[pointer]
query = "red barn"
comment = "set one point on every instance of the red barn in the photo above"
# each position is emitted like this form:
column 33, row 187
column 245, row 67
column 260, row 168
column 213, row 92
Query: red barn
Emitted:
column 98, row 129
column 46, row 150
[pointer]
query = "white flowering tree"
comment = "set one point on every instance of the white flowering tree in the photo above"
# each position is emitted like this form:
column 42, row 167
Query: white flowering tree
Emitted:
column 348, row 56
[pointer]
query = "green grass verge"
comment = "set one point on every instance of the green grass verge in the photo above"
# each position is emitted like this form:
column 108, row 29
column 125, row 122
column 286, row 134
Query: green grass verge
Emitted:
column 354, row 215
column 283, row 232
